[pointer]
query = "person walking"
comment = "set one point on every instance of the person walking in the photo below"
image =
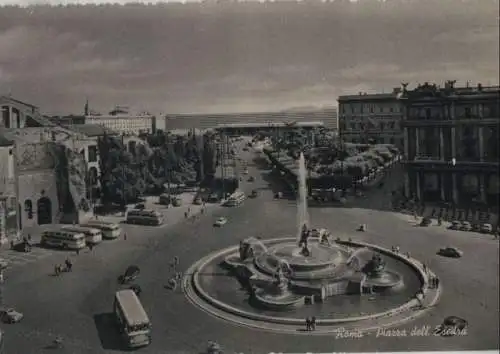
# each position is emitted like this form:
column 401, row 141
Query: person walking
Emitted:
column 77, row 251
column 91, row 246
column 313, row 323
column 308, row 324
column 125, row 236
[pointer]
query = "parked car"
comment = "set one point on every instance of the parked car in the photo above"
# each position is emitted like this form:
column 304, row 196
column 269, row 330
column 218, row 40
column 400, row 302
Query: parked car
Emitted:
column 197, row 201
column 165, row 199
column 486, row 229
column 176, row 202
column 245, row 148
column 245, row 172
column 452, row 325
column 220, row 222
column 465, row 226
column 451, row 252
column 10, row 315
column 455, row 225
column 426, row 222
column 254, row 194
column 213, row 198
column 251, row 179
column 140, row 206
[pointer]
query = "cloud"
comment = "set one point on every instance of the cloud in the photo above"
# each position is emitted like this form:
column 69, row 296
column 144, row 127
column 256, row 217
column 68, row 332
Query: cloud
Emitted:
column 174, row 58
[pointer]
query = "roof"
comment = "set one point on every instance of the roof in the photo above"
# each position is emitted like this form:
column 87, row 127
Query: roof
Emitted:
column 270, row 124
column 368, row 97
column 18, row 101
column 91, row 130
column 132, row 307
column 5, row 142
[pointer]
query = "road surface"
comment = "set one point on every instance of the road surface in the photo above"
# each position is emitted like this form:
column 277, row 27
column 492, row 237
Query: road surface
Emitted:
column 78, row 305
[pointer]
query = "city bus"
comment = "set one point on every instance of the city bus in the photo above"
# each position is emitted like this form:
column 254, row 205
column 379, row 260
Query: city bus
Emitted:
column 235, row 199
column 144, row 217
column 109, row 230
column 58, row 237
column 93, row 236
column 132, row 319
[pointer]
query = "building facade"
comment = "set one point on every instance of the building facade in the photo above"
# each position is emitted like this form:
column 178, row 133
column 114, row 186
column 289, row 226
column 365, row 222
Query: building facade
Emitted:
column 327, row 117
column 451, row 143
column 371, row 118
column 120, row 121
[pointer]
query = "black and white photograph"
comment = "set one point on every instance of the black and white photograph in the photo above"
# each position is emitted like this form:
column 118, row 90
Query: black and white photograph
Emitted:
column 249, row 176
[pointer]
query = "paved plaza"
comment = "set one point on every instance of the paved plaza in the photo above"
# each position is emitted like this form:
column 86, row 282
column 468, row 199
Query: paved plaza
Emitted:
column 78, row 305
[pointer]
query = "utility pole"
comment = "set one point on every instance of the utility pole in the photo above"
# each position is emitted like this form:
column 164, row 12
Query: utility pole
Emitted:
column 124, row 195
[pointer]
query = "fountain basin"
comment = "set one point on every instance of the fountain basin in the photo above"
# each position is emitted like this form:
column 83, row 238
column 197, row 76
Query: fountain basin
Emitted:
column 282, row 302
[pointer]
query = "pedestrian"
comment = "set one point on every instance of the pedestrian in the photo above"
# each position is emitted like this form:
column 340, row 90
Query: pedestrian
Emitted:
column 308, row 324
column 437, row 282
column 425, row 268
column 202, row 210
column 29, row 237
column 1, row 277
column 185, row 215
column 90, row 247
column 12, row 244
column 407, row 254
column 189, row 210
column 178, row 276
column 56, row 270
column 125, row 236
column 313, row 323
column 77, row 251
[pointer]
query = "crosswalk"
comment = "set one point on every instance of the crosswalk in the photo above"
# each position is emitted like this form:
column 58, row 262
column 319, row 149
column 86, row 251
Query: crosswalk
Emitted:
column 18, row 259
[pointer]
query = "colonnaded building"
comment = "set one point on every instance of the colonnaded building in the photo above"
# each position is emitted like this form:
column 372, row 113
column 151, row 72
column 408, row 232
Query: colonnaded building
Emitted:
column 451, row 143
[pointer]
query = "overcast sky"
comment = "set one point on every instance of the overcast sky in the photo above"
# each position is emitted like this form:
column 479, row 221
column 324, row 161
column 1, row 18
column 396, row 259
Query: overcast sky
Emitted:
column 239, row 57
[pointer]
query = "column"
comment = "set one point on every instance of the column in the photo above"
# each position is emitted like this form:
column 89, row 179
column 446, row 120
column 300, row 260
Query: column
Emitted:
column 407, row 184
column 441, row 185
column 417, row 141
column 480, row 133
column 419, row 197
column 405, row 142
column 441, row 144
column 482, row 188
column 453, row 143
column 11, row 121
column 454, row 190
column 3, row 218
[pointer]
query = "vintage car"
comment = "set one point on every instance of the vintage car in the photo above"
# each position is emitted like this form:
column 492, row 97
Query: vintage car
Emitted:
column 220, row 222
column 455, row 225
column 451, row 326
column 486, row 228
column 450, row 252
column 466, row 226
column 426, row 222
column 254, row 194
column 9, row 315
column 131, row 273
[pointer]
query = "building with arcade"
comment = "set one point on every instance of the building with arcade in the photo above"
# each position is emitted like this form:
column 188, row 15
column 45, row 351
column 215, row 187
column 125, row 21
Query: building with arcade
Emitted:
column 451, row 144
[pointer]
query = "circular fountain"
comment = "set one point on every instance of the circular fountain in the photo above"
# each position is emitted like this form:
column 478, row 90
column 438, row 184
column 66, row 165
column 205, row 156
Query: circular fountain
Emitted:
column 309, row 275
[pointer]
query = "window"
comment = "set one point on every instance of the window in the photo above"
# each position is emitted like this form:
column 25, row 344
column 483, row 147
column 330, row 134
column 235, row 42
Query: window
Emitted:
column 428, row 114
column 468, row 112
column 371, row 109
column 93, row 153
column 28, row 208
column 381, row 109
column 391, row 110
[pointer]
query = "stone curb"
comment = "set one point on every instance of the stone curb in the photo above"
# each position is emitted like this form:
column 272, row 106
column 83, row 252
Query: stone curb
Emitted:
column 219, row 306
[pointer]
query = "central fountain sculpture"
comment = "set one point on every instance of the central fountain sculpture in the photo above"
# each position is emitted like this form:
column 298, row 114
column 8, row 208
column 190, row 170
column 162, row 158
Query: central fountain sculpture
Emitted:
column 290, row 274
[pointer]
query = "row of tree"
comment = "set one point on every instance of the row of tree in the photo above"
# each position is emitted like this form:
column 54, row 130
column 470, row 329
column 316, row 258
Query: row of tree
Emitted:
column 158, row 160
